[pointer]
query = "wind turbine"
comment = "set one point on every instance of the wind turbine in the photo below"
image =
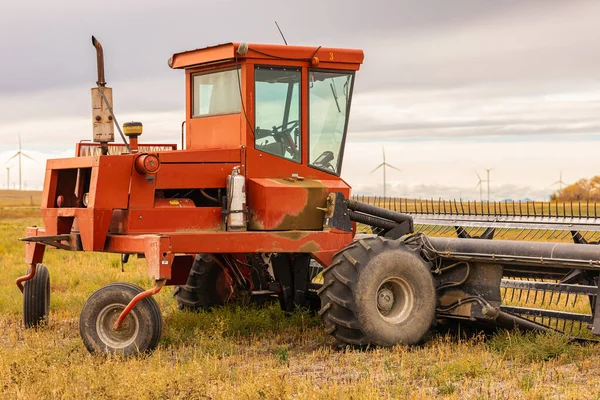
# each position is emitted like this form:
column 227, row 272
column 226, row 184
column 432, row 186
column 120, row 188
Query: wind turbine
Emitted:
column 384, row 165
column 559, row 182
column 488, row 182
column 480, row 186
column 20, row 154
column 7, row 177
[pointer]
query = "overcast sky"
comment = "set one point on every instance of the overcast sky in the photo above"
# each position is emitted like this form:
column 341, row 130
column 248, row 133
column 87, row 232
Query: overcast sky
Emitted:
column 448, row 88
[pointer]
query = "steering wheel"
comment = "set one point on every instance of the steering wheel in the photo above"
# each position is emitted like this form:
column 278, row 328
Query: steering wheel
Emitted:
column 283, row 133
column 287, row 127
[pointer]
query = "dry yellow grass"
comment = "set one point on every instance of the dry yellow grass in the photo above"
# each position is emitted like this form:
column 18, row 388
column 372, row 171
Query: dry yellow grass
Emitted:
column 255, row 353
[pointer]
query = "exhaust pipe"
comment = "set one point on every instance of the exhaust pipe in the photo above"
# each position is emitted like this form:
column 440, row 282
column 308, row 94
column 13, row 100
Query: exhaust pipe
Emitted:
column 100, row 61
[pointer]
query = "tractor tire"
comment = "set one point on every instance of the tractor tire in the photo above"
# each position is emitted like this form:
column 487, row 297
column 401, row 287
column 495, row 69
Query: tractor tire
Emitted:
column 141, row 329
column 201, row 289
column 378, row 292
column 36, row 298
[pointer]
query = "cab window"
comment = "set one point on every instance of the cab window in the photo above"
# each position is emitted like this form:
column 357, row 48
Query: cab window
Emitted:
column 216, row 93
column 277, row 111
column 329, row 105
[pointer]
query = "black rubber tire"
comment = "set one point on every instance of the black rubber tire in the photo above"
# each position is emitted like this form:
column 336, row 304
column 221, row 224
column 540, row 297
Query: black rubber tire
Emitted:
column 349, row 295
column 101, row 310
column 36, row 298
column 200, row 290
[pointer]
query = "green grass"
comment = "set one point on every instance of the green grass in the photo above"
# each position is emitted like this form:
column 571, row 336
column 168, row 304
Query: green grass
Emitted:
column 251, row 353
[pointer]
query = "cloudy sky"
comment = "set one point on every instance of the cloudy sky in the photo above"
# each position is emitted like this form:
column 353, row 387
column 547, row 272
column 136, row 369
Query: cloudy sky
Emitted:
column 448, row 88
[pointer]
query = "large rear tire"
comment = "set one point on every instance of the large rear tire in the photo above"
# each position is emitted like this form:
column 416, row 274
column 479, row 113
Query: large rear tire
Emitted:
column 201, row 291
column 378, row 292
column 140, row 331
column 36, row 298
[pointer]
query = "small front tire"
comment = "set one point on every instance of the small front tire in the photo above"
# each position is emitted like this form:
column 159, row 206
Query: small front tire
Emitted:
column 36, row 298
column 140, row 331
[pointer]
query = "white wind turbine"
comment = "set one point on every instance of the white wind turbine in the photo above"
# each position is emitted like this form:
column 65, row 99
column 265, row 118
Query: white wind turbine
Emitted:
column 7, row 177
column 559, row 182
column 19, row 154
column 480, row 186
column 384, row 165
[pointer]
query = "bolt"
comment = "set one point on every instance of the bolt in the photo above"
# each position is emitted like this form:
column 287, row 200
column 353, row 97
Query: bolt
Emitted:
column 110, row 117
column 98, row 118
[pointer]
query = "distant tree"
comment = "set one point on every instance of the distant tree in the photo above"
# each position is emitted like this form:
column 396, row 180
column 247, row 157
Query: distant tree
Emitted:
column 583, row 189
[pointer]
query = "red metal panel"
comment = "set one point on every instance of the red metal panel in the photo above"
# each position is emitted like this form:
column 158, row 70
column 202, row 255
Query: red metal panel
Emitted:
column 73, row 162
column 159, row 256
column 319, row 243
column 269, row 52
column 282, row 204
column 200, row 156
column 50, row 186
column 141, row 191
column 167, row 220
column 193, row 176
column 210, row 54
column 109, row 186
column 34, row 252
column 264, row 165
column 216, row 132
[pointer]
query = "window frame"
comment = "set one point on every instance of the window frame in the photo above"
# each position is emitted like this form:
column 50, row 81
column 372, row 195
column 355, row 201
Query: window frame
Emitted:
column 210, row 72
column 345, row 133
column 300, row 119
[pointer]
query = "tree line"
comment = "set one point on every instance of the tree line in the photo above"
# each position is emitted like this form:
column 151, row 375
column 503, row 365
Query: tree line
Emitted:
column 583, row 189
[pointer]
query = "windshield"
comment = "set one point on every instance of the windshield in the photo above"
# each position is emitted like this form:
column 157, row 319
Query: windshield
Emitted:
column 329, row 105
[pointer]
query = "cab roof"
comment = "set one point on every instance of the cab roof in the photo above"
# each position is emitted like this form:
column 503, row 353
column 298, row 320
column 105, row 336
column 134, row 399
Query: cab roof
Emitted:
column 230, row 51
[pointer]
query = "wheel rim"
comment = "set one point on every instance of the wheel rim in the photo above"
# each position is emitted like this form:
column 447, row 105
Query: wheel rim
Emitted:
column 394, row 300
column 124, row 335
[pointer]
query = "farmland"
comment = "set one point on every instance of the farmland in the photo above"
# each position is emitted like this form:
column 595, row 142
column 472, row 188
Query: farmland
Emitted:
column 246, row 352
column 18, row 198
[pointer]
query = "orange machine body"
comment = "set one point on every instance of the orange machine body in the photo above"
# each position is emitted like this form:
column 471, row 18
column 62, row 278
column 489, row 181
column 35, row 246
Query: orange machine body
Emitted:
column 153, row 201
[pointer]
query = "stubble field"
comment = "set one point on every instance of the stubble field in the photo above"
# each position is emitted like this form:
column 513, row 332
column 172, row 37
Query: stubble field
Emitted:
column 256, row 353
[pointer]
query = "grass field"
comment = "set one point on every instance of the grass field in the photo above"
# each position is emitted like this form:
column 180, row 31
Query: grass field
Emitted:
column 256, row 353
column 19, row 198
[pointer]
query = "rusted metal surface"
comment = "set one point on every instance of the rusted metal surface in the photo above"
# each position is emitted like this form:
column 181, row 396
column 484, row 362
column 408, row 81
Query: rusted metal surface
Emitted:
column 103, row 126
column 34, row 251
column 87, row 149
column 99, row 61
column 323, row 244
column 303, row 199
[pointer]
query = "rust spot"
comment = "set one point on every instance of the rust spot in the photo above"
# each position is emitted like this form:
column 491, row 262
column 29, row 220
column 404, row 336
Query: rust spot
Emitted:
column 292, row 235
column 310, row 247
column 310, row 217
column 281, row 204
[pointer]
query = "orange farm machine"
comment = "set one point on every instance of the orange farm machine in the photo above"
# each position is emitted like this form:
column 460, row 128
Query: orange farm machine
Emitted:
column 253, row 204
